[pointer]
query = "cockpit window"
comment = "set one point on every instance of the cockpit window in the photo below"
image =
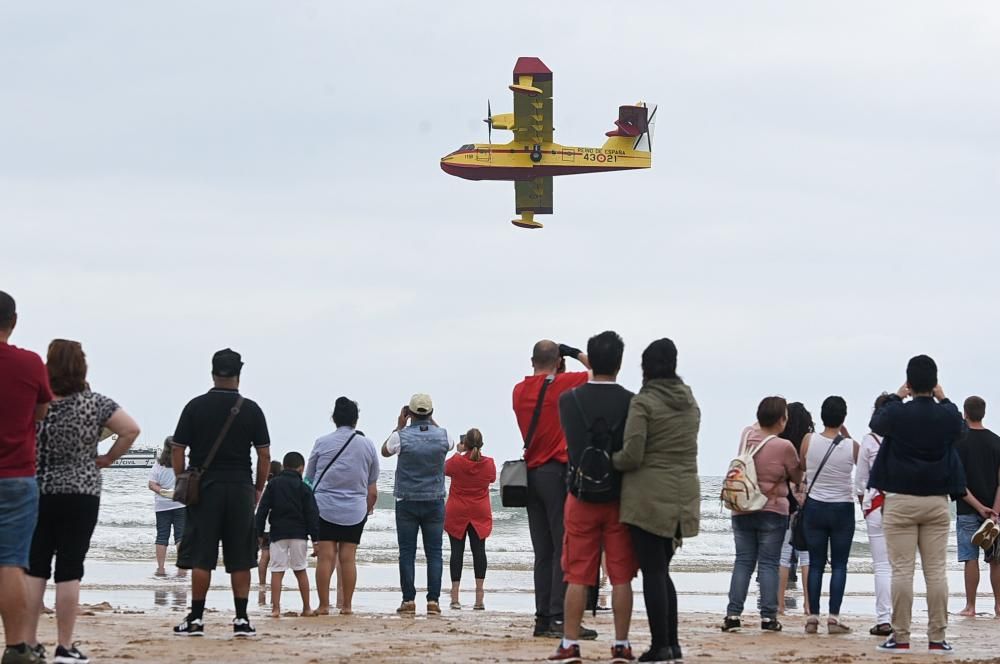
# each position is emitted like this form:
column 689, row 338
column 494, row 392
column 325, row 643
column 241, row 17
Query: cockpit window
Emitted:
column 468, row 147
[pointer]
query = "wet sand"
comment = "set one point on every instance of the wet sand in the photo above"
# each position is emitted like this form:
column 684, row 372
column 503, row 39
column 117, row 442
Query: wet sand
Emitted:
column 468, row 636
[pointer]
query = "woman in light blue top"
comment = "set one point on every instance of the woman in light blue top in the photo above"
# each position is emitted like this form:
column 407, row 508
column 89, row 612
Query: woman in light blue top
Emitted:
column 343, row 471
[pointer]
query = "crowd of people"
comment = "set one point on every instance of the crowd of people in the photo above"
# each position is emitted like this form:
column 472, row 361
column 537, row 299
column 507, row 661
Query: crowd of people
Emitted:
column 612, row 487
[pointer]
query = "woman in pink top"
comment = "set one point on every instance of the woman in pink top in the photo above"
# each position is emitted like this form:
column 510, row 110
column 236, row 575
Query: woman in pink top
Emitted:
column 760, row 535
column 468, row 511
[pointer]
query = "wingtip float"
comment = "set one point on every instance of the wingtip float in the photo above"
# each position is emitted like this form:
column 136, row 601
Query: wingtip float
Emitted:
column 531, row 159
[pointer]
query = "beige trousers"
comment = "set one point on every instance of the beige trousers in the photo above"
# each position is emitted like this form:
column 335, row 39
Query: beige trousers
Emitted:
column 913, row 523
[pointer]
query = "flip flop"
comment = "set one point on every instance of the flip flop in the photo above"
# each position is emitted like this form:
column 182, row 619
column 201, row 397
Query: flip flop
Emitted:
column 456, row 606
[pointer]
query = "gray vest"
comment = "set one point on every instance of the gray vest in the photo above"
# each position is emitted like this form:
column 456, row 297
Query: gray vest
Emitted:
column 420, row 469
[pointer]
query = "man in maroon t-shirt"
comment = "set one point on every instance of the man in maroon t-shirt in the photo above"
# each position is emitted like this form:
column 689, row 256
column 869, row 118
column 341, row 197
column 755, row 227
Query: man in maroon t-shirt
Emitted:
column 546, row 460
column 24, row 400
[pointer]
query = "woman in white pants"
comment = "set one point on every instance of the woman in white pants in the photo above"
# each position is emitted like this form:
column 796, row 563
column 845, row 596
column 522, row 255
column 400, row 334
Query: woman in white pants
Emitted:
column 871, row 505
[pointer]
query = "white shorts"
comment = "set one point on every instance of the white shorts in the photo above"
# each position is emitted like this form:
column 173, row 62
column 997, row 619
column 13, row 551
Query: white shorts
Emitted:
column 289, row 554
column 786, row 552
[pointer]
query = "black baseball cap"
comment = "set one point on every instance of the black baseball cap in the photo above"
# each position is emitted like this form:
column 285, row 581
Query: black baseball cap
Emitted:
column 227, row 363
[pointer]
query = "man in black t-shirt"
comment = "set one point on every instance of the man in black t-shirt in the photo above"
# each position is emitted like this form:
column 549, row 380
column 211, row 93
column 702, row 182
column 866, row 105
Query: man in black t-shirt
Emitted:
column 979, row 451
column 228, row 497
column 593, row 421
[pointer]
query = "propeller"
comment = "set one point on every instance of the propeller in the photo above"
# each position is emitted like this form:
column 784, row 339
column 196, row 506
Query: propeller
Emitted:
column 489, row 121
column 648, row 134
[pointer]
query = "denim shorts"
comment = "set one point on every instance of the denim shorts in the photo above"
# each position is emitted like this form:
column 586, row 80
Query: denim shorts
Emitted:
column 18, row 514
column 966, row 526
column 167, row 519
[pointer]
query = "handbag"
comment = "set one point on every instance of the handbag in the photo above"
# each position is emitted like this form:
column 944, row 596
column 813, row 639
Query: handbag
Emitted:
column 187, row 489
column 514, row 474
column 333, row 460
column 799, row 521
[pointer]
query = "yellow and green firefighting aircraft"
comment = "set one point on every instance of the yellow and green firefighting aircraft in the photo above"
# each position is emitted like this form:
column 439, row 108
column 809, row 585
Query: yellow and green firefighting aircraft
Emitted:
column 532, row 159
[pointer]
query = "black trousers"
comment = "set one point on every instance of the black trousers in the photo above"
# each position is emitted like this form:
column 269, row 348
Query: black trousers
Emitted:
column 654, row 554
column 478, row 547
column 546, row 500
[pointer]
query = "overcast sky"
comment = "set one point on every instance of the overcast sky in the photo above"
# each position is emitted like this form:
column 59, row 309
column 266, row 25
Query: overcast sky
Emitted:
column 823, row 203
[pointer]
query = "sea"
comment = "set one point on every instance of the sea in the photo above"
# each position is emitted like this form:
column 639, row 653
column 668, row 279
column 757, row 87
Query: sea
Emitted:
column 127, row 527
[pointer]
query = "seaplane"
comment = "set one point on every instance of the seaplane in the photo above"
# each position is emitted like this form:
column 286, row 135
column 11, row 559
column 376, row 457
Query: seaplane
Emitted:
column 531, row 159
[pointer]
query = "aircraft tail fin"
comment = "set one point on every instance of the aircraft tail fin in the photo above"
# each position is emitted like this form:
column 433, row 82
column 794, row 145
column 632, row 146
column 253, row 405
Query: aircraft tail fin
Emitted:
column 633, row 128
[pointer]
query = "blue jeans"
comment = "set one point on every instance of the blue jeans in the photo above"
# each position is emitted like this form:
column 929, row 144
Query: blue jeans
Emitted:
column 18, row 514
column 166, row 519
column 427, row 516
column 829, row 528
column 759, row 537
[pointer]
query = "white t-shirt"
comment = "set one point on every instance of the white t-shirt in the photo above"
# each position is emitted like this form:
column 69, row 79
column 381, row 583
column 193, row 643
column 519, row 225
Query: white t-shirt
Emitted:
column 165, row 478
column 836, row 481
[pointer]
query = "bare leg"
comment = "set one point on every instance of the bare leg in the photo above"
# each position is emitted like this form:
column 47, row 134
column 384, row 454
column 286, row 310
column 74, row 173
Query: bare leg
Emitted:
column 324, row 571
column 67, row 604
column 995, row 582
column 480, row 591
column 347, row 575
column 13, row 600
column 181, row 573
column 339, row 546
column 276, row 579
column 240, row 582
column 35, row 595
column 805, row 587
column 782, row 587
column 573, row 608
column 265, row 558
column 302, row 576
column 161, row 559
column 201, row 579
column 971, row 586
column 621, row 604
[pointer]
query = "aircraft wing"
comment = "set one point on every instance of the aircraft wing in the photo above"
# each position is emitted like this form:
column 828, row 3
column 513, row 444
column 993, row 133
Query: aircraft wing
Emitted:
column 533, row 195
column 532, row 90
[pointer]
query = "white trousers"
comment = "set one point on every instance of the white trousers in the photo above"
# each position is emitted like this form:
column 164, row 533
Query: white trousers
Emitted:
column 883, row 571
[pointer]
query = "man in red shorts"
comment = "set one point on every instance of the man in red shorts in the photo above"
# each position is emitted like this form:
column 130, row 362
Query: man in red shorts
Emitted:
column 593, row 420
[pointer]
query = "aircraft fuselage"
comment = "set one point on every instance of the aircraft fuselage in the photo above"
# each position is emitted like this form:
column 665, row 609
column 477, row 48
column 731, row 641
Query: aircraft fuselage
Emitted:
column 515, row 161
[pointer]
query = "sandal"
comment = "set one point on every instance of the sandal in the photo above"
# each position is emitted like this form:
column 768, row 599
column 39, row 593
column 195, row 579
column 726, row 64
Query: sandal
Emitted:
column 812, row 625
column 881, row 629
column 834, row 626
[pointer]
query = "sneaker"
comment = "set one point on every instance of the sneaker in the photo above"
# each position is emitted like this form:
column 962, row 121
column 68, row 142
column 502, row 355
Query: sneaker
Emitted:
column 433, row 609
column 939, row 647
column 39, row 651
column 556, row 631
column 189, row 627
column 881, row 629
column 407, row 608
column 771, row 625
column 987, row 533
column 659, row 656
column 15, row 656
column 71, row 656
column 242, row 629
column 732, row 624
column 569, row 655
column 890, row 645
column 542, row 627
column 621, row 655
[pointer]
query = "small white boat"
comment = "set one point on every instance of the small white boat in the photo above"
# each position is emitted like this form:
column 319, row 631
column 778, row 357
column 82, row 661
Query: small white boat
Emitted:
column 137, row 458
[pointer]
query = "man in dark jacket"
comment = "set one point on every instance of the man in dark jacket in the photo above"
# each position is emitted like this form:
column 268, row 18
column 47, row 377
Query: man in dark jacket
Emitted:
column 918, row 469
column 294, row 520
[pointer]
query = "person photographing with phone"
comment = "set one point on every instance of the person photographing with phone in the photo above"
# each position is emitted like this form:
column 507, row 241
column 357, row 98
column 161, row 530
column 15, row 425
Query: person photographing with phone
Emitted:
column 419, row 491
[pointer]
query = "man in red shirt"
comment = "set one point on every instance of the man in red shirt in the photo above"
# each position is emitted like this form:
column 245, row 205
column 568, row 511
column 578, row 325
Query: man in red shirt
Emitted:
column 24, row 400
column 546, row 457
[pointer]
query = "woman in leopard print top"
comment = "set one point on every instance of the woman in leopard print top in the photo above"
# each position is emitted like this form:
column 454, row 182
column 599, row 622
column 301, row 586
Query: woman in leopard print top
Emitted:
column 69, row 482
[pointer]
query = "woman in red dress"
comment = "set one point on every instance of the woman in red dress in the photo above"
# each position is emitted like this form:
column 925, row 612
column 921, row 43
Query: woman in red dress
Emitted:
column 468, row 511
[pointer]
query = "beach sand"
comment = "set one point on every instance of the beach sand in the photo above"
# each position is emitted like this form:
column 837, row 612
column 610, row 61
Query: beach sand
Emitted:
column 467, row 636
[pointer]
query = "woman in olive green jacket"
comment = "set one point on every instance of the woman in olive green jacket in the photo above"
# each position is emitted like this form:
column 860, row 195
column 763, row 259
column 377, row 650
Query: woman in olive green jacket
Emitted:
column 661, row 493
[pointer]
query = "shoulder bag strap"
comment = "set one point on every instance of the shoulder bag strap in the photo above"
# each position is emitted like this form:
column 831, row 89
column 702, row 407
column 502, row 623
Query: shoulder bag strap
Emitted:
column 759, row 447
column 233, row 412
column 836, row 441
column 335, row 457
column 538, row 411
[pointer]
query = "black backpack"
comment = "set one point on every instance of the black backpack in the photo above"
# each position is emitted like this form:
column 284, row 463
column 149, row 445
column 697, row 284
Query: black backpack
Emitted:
column 593, row 478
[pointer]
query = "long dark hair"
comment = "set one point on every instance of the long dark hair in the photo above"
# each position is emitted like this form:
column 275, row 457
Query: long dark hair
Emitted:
column 800, row 422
